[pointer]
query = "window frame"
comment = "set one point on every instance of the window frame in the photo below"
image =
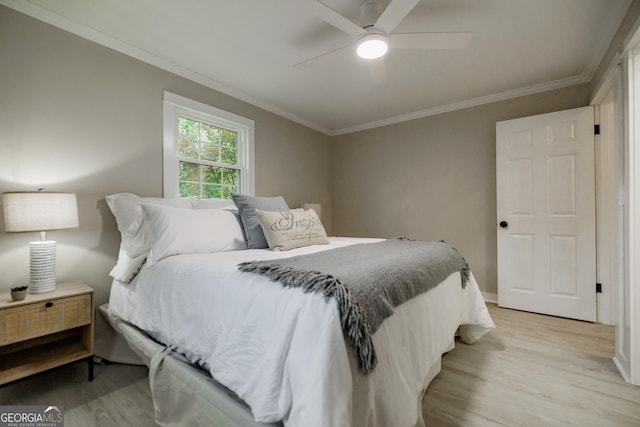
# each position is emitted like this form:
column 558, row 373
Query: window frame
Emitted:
column 175, row 106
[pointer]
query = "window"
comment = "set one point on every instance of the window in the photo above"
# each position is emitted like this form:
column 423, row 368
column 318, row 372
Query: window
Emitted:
column 208, row 153
column 207, row 160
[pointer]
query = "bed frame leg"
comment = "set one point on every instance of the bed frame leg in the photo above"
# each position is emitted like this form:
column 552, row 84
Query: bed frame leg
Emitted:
column 90, row 361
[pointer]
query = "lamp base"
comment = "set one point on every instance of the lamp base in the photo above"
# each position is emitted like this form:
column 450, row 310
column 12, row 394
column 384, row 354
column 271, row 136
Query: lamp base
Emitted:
column 42, row 267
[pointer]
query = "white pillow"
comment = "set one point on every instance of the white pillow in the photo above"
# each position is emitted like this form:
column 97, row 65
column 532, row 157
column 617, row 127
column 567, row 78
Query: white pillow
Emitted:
column 123, row 207
column 178, row 231
column 137, row 240
column 213, row 204
column 127, row 267
column 139, row 237
column 291, row 229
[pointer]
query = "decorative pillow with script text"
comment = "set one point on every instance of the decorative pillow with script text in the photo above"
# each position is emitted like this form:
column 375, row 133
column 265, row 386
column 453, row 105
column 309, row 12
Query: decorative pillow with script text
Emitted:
column 291, row 229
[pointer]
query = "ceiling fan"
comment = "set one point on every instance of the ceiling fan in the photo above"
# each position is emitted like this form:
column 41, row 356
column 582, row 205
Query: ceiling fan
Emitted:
column 374, row 36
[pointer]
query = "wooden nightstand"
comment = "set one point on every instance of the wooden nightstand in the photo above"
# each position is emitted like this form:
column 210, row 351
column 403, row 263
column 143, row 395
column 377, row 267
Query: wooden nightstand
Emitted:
column 46, row 330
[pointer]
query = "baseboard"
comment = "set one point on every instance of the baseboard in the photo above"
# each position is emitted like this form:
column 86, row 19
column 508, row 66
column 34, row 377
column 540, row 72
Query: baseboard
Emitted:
column 490, row 297
column 623, row 372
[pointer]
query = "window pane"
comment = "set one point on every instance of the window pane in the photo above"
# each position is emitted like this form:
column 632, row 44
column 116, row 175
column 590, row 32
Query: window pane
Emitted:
column 230, row 177
column 209, row 133
column 213, row 191
column 187, row 147
column 229, row 156
column 189, row 189
column 211, row 174
column 188, row 128
column 189, row 171
column 226, row 192
column 188, row 138
column 229, row 138
column 210, row 152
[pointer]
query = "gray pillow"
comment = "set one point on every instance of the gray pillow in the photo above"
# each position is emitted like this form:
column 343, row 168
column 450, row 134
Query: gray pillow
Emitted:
column 247, row 206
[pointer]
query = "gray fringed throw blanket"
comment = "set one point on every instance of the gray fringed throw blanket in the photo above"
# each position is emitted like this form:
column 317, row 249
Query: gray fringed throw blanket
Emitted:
column 367, row 280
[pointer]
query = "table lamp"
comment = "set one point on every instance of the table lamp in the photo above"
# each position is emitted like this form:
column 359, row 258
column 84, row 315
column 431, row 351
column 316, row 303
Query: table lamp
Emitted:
column 40, row 211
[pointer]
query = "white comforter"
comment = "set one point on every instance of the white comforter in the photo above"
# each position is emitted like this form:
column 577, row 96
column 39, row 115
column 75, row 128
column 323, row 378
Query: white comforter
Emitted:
column 282, row 351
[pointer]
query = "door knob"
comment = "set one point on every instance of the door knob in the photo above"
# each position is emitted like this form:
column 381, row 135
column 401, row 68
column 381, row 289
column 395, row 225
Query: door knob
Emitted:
column 504, row 224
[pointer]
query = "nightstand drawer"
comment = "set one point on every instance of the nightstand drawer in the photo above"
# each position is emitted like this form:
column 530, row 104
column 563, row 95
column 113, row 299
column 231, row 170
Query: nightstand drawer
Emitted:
column 44, row 318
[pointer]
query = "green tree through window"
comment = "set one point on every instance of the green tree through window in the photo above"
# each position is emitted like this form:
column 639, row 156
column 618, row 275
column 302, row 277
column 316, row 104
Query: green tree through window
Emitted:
column 207, row 160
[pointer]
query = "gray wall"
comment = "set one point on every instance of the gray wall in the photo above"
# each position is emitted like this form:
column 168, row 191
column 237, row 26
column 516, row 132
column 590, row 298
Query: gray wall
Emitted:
column 76, row 116
column 433, row 178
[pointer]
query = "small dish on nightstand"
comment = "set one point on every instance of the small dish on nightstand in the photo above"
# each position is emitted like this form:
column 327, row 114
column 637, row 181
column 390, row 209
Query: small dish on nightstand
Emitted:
column 19, row 293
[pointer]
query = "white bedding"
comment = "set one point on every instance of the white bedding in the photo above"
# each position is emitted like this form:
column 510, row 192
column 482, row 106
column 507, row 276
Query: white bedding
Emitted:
column 282, row 351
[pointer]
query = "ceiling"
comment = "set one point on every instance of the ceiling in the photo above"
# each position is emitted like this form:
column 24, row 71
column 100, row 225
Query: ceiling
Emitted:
column 249, row 49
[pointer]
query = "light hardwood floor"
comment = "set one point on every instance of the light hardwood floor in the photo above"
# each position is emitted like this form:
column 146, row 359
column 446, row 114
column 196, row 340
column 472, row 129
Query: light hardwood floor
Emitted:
column 119, row 395
column 532, row 370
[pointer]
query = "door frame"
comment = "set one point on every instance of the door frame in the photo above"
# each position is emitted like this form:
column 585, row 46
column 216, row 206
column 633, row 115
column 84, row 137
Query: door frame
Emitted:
column 628, row 362
column 632, row 258
column 609, row 194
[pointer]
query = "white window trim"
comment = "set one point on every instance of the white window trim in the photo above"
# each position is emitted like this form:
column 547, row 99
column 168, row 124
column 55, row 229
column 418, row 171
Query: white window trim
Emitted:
column 175, row 105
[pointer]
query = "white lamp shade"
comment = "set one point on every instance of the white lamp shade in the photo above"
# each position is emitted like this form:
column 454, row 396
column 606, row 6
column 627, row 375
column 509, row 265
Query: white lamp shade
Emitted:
column 39, row 211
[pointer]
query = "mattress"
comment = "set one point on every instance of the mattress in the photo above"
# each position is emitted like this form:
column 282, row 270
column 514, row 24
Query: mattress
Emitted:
column 282, row 351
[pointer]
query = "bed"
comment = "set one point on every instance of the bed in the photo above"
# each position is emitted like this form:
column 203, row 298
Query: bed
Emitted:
column 227, row 347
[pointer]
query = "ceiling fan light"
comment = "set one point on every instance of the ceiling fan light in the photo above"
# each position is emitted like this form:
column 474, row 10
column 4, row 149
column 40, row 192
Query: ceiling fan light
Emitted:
column 372, row 46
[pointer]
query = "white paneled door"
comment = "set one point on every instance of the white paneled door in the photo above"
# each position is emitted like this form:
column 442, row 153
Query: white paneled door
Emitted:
column 546, row 214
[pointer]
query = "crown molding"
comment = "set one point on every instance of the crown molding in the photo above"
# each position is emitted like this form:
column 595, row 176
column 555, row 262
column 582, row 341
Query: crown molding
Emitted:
column 473, row 102
column 98, row 37
column 105, row 40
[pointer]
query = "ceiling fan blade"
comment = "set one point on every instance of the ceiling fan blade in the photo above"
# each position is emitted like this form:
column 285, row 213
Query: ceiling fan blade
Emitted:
column 395, row 12
column 378, row 71
column 332, row 17
column 430, row 40
column 350, row 49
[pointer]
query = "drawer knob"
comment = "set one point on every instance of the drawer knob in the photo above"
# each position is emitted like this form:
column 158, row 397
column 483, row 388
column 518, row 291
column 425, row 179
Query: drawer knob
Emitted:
column 49, row 304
